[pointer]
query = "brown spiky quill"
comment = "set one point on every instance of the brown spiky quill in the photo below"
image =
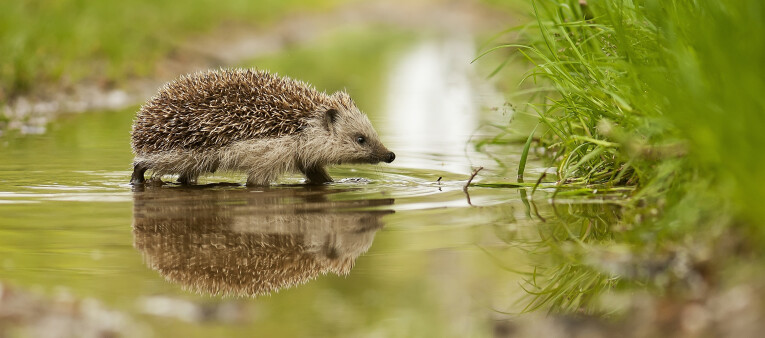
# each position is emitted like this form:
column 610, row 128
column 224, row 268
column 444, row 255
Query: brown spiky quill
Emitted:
column 212, row 109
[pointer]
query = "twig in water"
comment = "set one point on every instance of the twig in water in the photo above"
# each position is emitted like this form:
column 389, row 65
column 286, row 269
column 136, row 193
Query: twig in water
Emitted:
column 475, row 172
column 465, row 188
column 544, row 174
column 439, row 180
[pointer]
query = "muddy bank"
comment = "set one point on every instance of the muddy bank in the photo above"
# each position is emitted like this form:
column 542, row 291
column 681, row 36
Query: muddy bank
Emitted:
column 233, row 44
column 25, row 314
column 733, row 312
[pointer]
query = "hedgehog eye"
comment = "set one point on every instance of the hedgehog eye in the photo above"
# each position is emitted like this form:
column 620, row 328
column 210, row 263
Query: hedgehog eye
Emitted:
column 361, row 140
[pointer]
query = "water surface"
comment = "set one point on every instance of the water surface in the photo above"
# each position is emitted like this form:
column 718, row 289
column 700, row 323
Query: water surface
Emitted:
column 386, row 250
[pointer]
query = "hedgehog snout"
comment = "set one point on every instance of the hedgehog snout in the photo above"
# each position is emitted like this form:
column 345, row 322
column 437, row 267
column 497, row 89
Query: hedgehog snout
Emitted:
column 391, row 156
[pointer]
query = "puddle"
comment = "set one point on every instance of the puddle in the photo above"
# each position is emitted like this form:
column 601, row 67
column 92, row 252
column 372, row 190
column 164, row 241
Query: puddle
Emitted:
column 386, row 250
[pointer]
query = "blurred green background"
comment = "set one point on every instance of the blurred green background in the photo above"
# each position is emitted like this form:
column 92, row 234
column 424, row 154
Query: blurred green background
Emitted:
column 635, row 125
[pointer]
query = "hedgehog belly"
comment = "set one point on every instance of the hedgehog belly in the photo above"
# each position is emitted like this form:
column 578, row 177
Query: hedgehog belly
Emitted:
column 263, row 160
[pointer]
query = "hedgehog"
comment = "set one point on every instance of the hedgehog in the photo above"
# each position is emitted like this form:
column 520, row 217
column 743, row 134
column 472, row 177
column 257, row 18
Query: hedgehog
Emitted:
column 251, row 121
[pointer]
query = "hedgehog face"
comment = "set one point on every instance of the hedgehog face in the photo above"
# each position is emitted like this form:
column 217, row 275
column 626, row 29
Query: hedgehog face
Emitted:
column 357, row 141
column 340, row 133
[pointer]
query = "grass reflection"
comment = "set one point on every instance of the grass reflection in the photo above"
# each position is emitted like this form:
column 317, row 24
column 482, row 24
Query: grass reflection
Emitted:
column 562, row 280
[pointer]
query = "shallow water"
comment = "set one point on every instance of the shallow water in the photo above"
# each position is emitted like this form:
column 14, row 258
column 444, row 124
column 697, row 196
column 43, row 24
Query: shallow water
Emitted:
column 386, row 250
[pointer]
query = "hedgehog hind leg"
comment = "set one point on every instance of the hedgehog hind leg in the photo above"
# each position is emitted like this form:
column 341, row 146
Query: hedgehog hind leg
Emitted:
column 263, row 175
column 260, row 178
column 316, row 175
column 138, row 170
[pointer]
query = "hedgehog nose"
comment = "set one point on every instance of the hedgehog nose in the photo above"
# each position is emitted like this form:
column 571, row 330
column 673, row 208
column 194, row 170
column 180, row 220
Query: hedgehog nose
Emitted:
column 391, row 157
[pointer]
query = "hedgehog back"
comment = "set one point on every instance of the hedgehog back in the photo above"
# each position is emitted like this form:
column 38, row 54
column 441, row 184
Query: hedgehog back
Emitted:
column 212, row 109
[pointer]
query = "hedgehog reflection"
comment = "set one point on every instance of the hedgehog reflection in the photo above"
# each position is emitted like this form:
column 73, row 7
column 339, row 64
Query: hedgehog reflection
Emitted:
column 240, row 242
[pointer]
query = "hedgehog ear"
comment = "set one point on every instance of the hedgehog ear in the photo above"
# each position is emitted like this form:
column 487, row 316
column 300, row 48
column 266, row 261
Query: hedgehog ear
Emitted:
column 330, row 116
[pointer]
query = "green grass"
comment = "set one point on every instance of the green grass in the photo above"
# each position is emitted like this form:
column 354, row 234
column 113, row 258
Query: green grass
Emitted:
column 64, row 42
column 665, row 96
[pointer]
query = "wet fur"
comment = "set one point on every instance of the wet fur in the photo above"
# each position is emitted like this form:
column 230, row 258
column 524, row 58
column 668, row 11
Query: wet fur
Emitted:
column 323, row 136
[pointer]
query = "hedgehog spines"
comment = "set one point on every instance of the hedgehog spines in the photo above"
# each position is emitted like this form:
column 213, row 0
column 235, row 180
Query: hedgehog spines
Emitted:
column 212, row 109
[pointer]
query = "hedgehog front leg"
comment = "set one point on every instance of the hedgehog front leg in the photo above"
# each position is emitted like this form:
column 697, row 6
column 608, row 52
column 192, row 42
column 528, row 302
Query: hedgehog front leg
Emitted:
column 187, row 179
column 316, row 175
